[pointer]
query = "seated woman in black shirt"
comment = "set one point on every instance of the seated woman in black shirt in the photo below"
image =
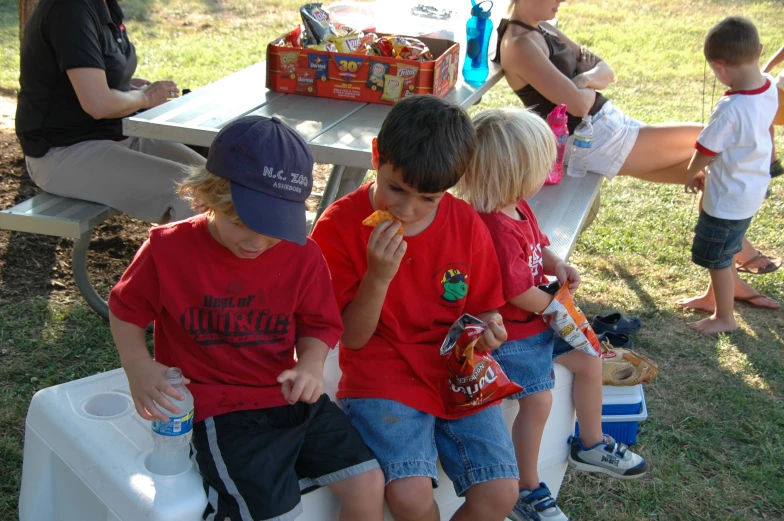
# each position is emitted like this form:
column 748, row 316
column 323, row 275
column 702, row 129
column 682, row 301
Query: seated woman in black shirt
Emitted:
column 77, row 84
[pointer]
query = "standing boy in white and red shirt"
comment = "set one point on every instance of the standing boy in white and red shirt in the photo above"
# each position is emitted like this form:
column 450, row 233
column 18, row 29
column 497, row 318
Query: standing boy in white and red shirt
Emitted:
column 736, row 148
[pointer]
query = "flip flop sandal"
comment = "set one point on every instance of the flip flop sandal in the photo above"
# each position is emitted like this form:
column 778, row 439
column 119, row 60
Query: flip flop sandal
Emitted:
column 751, row 301
column 774, row 263
column 776, row 169
column 616, row 323
column 615, row 339
column 623, row 367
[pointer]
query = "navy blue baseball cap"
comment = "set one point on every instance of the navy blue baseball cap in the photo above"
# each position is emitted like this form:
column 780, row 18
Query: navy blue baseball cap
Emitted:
column 270, row 169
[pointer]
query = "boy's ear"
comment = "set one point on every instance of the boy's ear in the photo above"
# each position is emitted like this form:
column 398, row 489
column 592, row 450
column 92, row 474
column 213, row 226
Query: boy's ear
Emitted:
column 374, row 155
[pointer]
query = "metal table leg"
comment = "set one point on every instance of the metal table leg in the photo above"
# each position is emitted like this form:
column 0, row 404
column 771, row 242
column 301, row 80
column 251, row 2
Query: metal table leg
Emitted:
column 79, row 264
column 342, row 181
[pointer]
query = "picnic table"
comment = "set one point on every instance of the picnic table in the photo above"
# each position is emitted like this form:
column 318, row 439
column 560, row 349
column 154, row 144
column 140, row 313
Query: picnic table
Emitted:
column 339, row 133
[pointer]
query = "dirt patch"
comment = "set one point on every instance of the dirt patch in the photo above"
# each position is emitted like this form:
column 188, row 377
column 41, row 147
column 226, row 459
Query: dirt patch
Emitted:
column 39, row 265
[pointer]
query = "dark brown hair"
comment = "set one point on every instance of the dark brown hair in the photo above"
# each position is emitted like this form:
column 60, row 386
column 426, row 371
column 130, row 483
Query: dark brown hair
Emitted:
column 734, row 40
column 431, row 141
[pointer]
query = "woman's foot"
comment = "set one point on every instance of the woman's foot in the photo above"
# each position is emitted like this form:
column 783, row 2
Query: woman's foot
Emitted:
column 750, row 260
column 713, row 325
column 758, row 300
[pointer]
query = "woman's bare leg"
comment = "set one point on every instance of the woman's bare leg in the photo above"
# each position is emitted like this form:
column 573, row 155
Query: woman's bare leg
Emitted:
column 662, row 152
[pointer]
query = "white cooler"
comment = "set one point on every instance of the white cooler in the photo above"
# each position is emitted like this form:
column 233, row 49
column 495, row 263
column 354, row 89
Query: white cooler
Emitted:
column 85, row 450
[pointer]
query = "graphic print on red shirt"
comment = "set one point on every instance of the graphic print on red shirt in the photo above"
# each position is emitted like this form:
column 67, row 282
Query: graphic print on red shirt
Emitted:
column 519, row 245
column 230, row 324
column 449, row 269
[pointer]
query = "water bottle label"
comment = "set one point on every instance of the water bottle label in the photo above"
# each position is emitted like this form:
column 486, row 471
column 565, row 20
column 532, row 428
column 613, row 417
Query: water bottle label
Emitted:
column 176, row 426
column 581, row 142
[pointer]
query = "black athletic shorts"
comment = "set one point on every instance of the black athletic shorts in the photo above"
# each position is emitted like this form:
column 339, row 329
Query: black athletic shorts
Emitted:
column 257, row 463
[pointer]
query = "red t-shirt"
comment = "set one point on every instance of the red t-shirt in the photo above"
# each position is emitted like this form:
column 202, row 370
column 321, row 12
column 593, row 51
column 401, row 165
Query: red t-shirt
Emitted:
column 230, row 324
column 449, row 269
column 519, row 246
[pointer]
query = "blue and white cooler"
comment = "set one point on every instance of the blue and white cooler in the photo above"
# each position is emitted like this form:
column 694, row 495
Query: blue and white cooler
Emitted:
column 623, row 408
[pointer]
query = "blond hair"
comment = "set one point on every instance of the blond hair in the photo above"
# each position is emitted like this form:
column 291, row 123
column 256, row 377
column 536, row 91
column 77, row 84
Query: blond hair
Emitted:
column 208, row 193
column 515, row 151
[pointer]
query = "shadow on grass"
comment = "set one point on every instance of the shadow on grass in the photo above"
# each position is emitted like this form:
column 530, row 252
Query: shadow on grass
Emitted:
column 714, row 430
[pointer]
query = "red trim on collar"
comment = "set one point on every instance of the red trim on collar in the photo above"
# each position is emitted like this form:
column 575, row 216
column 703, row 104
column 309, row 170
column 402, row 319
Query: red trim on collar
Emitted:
column 122, row 27
column 750, row 92
column 706, row 151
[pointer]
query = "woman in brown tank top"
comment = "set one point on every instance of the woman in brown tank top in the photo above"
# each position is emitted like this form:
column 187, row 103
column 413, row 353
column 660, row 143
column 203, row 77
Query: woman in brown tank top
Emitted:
column 536, row 58
column 660, row 153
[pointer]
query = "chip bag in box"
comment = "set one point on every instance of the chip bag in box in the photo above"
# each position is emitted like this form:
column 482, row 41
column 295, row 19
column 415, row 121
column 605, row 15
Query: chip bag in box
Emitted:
column 475, row 378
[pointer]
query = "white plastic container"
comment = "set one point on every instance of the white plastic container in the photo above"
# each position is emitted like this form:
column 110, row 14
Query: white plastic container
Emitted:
column 86, row 450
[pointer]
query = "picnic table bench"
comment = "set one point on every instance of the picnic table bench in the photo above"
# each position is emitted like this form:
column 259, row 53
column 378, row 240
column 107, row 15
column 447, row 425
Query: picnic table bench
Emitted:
column 338, row 132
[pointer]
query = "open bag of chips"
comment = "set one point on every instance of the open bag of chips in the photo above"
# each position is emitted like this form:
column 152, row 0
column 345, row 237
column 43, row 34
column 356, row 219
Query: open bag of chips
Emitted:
column 475, row 378
column 565, row 318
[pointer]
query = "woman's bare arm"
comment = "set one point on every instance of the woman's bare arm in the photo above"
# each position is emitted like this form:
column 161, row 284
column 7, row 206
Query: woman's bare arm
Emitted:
column 525, row 61
column 774, row 60
column 101, row 102
column 595, row 73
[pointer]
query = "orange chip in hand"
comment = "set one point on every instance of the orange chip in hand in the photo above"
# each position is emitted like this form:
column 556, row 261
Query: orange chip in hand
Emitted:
column 378, row 217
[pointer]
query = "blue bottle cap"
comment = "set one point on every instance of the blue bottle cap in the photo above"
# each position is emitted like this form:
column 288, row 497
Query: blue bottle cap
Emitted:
column 478, row 11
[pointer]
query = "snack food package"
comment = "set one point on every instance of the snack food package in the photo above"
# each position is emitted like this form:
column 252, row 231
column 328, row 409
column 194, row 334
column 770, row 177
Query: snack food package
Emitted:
column 306, row 80
column 377, row 71
column 407, row 73
column 348, row 43
column 378, row 217
column 318, row 28
column 475, row 378
column 393, row 88
column 326, row 46
column 288, row 63
column 568, row 322
column 409, row 48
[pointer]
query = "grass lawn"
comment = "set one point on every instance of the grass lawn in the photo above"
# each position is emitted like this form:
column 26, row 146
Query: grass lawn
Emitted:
column 716, row 412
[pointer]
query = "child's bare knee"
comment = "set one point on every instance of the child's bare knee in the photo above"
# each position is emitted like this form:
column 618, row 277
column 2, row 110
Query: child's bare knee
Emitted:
column 537, row 405
column 410, row 498
column 495, row 499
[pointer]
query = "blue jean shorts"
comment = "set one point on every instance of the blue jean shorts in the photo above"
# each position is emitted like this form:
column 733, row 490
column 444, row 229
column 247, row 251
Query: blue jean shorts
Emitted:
column 716, row 241
column 528, row 362
column 407, row 442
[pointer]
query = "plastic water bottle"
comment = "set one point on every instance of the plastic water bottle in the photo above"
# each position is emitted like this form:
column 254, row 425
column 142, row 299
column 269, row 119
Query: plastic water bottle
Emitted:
column 581, row 147
column 478, row 31
column 558, row 121
column 171, row 440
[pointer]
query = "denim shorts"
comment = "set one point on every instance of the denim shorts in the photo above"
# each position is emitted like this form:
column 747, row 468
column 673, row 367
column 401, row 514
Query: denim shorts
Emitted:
column 528, row 362
column 716, row 241
column 614, row 136
column 407, row 442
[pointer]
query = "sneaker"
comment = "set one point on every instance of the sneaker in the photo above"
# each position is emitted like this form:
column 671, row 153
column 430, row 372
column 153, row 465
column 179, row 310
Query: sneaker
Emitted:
column 536, row 505
column 608, row 457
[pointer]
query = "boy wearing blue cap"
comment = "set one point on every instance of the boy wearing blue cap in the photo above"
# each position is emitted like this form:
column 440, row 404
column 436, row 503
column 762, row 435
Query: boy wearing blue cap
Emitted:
column 233, row 293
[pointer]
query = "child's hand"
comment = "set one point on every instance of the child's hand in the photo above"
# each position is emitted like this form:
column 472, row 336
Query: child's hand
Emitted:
column 495, row 334
column 147, row 380
column 695, row 182
column 385, row 250
column 301, row 384
column 567, row 273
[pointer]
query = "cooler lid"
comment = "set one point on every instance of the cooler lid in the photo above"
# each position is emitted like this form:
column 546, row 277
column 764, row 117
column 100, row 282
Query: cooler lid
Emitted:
column 619, row 395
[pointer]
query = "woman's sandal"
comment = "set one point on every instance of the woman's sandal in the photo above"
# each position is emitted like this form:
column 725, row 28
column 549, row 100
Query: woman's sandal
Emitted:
column 773, row 264
column 754, row 299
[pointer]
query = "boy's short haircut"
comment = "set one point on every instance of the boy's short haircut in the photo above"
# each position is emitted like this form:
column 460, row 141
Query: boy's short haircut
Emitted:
column 514, row 154
column 208, row 193
column 734, row 40
column 430, row 140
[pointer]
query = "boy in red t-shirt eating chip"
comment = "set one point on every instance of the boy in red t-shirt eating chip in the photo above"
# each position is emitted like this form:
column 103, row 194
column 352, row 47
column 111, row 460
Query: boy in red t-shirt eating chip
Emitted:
column 399, row 295
column 234, row 292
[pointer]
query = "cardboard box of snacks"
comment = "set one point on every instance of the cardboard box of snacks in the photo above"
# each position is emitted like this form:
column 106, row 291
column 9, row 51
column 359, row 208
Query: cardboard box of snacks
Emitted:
column 373, row 79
